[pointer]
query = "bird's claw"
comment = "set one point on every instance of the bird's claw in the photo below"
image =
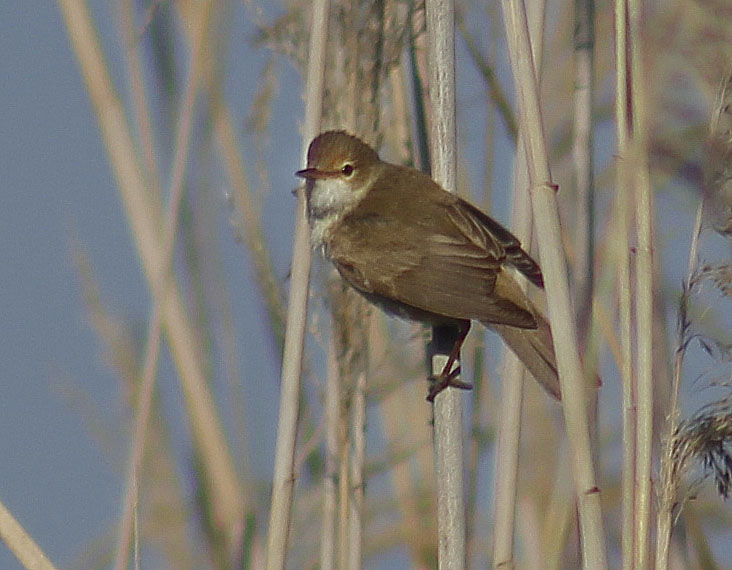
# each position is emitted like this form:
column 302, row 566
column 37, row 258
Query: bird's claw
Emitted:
column 441, row 381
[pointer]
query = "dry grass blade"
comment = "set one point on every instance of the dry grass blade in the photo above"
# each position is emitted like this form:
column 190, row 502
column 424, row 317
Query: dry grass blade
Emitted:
column 21, row 543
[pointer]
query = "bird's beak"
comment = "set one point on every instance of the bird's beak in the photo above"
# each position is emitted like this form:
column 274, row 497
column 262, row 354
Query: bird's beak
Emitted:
column 315, row 174
column 308, row 173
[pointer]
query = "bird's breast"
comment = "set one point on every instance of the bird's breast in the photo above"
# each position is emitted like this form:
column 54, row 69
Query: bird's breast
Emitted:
column 321, row 230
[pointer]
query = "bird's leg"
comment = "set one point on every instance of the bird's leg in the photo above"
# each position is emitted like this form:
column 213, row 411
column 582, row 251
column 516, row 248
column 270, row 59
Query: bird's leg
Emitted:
column 448, row 376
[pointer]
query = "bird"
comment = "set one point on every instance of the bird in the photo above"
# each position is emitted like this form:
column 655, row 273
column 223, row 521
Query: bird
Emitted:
column 422, row 253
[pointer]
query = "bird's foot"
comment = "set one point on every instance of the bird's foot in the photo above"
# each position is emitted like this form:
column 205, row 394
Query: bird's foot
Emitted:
column 439, row 382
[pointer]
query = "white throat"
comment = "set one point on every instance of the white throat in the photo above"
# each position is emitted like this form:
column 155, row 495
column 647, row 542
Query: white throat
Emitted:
column 329, row 199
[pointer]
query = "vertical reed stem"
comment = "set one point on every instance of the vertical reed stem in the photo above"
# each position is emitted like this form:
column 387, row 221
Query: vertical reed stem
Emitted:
column 644, row 293
column 283, row 480
column 546, row 220
column 448, row 409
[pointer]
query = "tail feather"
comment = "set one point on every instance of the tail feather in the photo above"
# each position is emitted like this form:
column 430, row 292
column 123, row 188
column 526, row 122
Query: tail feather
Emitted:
column 535, row 348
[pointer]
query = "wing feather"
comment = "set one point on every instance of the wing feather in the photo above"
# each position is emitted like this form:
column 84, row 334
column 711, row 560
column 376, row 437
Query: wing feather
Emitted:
column 453, row 273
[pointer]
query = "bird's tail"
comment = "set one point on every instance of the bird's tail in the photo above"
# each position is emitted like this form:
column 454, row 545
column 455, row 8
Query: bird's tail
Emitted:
column 535, row 348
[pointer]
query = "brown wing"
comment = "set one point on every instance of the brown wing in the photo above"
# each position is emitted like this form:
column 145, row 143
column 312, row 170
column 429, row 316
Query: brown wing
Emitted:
column 515, row 255
column 440, row 257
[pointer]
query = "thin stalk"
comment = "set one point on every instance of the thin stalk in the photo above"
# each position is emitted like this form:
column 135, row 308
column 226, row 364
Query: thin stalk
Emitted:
column 668, row 487
column 546, row 219
column 528, row 528
column 344, row 486
column 509, row 424
column 582, row 150
column 351, row 65
column 28, row 553
column 509, row 415
column 560, row 514
column 475, row 447
column 358, row 457
column 507, row 459
column 417, row 66
column 330, row 500
column 136, row 534
column 370, row 110
column 490, row 122
column 139, row 99
column 448, row 408
column 400, row 112
column 283, row 480
column 584, row 234
column 643, row 292
column 622, row 251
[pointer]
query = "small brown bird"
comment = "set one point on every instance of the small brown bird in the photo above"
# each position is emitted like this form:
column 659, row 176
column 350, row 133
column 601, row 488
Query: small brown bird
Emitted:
column 422, row 253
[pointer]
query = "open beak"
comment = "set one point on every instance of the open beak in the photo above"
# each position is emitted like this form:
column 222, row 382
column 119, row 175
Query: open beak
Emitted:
column 315, row 174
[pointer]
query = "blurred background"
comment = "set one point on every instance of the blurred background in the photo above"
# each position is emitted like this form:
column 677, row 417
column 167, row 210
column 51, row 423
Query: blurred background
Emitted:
column 75, row 299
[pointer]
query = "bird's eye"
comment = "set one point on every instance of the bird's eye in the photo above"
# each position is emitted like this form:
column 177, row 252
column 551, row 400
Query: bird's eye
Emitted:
column 347, row 169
